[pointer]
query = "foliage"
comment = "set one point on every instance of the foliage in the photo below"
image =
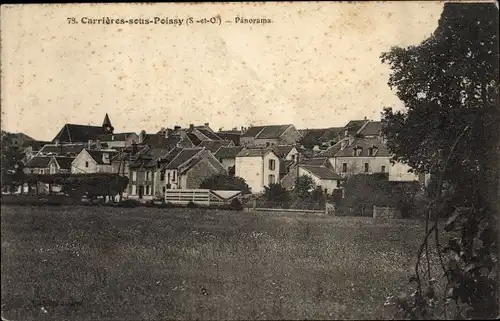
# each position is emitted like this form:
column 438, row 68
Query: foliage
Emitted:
column 276, row 193
column 449, row 85
column 363, row 191
column 225, row 182
column 11, row 160
column 89, row 185
column 236, row 205
column 304, row 184
column 191, row 204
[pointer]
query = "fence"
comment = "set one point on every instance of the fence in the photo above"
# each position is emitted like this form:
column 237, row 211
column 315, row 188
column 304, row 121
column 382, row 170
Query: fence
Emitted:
column 201, row 196
column 298, row 207
column 386, row 212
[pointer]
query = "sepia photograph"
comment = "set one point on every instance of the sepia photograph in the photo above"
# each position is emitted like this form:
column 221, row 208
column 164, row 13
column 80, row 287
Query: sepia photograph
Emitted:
column 333, row 160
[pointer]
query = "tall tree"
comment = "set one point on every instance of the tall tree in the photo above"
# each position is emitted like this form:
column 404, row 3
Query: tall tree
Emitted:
column 449, row 127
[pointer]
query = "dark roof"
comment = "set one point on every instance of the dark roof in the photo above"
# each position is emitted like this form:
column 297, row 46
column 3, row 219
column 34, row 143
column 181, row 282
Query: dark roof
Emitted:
column 64, row 162
column 185, row 155
column 214, row 145
column 266, row 132
column 284, row 164
column 353, row 127
column 73, row 133
column 255, row 152
column 312, row 135
column 233, row 136
column 321, row 172
column 115, row 137
column 314, row 161
column 283, row 150
column 365, row 144
column 372, row 128
column 38, row 162
column 331, row 151
column 194, row 139
column 62, row 149
column 228, row 152
column 208, row 132
column 35, row 144
column 154, row 154
column 97, row 156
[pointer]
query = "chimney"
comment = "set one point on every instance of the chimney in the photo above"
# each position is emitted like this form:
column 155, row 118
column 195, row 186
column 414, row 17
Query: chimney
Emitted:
column 344, row 143
column 191, row 126
column 207, row 125
column 89, row 146
column 176, row 128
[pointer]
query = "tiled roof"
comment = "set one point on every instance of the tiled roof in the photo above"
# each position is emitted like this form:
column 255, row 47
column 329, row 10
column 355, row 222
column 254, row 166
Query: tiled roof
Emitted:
column 283, row 150
column 353, row 126
column 313, row 134
column 214, row 145
column 78, row 133
column 331, row 151
column 185, row 155
column 64, row 162
column 228, row 152
column 38, row 162
column 372, row 128
column 194, row 139
column 62, row 149
column 233, row 136
column 266, row 132
column 208, row 133
column 314, row 161
column 321, row 172
column 365, row 144
column 254, row 152
column 154, row 154
column 331, row 134
column 115, row 137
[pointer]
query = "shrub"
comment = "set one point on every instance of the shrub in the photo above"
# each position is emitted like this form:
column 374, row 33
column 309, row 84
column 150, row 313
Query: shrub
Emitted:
column 129, row 203
column 236, row 205
column 225, row 182
column 191, row 205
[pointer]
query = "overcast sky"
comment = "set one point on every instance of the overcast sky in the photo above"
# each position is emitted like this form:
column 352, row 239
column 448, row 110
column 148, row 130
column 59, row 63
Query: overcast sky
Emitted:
column 316, row 65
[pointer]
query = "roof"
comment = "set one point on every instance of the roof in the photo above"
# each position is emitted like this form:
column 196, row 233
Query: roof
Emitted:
column 208, row 132
column 64, row 162
column 194, row 139
column 353, row 126
column 365, row 144
column 233, row 136
column 372, row 128
column 78, row 133
column 284, row 164
column 115, row 137
column 266, row 132
column 322, row 172
column 97, row 155
column 331, row 134
column 283, row 150
column 62, row 149
column 154, row 154
column 314, row 161
column 35, row 144
column 106, row 121
column 182, row 157
column 38, row 162
column 313, row 134
column 331, row 151
column 228, row 152
column 214, row 145
column 255, row 152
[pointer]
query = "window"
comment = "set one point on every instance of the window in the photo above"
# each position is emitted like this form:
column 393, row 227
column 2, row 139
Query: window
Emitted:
column 173, row 176
column 344, row 167
column 168, row 177
column 382, row 169
column 338, row 184
column 148, row 176
column 164, row 189
column 134, row 190
column 272, row 164
column 268, row 144
column 32, row 171
column 134, row 176
column 162, row 176
column 147, row 189
column 272, row 179
column 86, row 164
column 367, row 167
column 326, row 191
column 358, row 151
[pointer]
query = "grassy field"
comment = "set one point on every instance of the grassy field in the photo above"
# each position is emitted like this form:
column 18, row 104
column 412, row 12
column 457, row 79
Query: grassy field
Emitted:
column 98, row 263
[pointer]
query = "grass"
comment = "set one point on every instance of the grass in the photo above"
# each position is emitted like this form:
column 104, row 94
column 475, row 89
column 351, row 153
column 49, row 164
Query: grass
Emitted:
column 93, row 263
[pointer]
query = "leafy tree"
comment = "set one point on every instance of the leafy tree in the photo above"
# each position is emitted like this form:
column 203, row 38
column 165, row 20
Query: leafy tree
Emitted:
column 11, row 159
column 225, row 182
column 275, row 193
column 303, row 186
column 449, row 127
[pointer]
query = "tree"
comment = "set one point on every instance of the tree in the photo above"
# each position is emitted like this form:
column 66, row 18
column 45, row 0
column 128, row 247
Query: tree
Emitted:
column 304, row 184
column 449, row 128
column 275, row 193
column 225, row 182
column 11, row 159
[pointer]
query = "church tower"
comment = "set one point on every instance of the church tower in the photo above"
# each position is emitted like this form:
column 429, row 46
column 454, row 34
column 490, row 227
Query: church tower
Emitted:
column 106, row 125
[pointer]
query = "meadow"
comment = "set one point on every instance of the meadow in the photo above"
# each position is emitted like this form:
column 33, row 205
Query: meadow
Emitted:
column 102, row 263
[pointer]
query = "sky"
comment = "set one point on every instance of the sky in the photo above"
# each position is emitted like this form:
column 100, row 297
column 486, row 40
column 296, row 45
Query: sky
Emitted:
column 315, row 65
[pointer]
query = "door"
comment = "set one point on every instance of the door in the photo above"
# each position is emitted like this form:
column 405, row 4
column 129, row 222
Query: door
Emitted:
column 141, row 191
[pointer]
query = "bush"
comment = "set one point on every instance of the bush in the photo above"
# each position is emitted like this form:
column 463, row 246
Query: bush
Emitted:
column 225, row 182
column 236, row 205
column 129, row 203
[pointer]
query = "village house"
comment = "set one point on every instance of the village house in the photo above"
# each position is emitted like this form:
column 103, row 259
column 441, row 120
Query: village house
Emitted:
column 190, row 167
column 227, row 157
column 117, row 140
column 270, row 135
column 214, row 145
column 259, row 167
column 60, row 164
column 92, row 161
column 142, row 174
column 37, row 165
column 322, row 176
column 68, row 150
column 73, row 133
column 234, row 135
column 31, row 148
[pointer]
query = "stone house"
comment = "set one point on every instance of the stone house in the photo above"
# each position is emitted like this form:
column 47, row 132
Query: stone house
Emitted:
column 93, row 161
column 270, row 135
column 118, row 140
column 60, row 164
column 227, row 157
column 38, row 165
column 259, row 167
column 322, row 176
